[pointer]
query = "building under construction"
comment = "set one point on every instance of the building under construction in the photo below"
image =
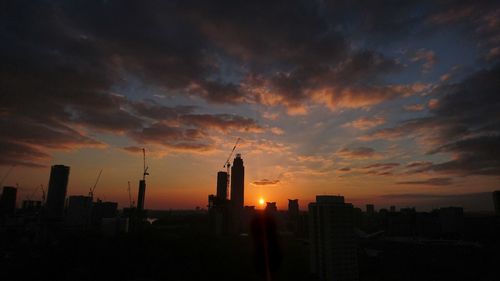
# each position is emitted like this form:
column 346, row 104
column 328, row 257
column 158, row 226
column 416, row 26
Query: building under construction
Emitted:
column 221, row 209
column 226, row 214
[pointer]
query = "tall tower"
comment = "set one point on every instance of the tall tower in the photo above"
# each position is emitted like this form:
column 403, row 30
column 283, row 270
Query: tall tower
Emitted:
column 293, row 208
column 237, row 182
column 222, row 180
column 58, row 185
column 142, row 184
column 141, row 196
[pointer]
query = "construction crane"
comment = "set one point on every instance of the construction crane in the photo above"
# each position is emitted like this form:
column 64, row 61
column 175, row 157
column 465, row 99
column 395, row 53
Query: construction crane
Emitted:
column 145, row 168
column 43, row 194
column 91, row 193
column 227, row 164
column 7, row 174
column 32, row 194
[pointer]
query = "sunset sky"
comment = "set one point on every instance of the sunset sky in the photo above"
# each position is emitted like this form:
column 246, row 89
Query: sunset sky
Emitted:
column 385, row 102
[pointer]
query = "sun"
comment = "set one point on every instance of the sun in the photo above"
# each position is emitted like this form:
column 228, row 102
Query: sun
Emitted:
column 262, row 201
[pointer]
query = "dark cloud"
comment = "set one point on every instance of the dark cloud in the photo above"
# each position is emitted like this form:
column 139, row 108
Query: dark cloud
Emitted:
column 431, row 181
column 418, row 164
column 132, row 149
column 380, row 169
column 478, row 155
column 465, row 123
column 22, row 155
column 382, row 166
column 357, row 152
column 266, row 182
column 344, row 169
column 175, row 137
column 159, row 112
column 62, row 60
column 222, row 122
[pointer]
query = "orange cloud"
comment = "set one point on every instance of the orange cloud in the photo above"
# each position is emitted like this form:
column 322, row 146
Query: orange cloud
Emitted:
column 365, row 123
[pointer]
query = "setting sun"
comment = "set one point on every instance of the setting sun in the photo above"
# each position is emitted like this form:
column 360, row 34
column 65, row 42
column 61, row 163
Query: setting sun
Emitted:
column 262, row 201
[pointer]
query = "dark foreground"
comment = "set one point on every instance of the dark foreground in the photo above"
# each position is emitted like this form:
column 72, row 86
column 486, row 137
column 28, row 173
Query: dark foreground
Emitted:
column 179, row 247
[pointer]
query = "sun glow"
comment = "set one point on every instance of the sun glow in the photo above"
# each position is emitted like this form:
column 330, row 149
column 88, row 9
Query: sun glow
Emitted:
column 262, row 201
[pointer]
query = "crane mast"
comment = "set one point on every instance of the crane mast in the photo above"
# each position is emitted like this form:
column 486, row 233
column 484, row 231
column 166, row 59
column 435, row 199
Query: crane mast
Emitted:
column 227, row 164
column 91, row 193
column 145, row 169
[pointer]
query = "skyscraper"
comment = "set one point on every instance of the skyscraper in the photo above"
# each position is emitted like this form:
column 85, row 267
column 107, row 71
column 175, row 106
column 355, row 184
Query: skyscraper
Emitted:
column 142, row 195
column 293, row 208
column 8, row 200
column 58, row 184
column 271, row 207
column 237, row 182
column 333, row 247
column 222, row 185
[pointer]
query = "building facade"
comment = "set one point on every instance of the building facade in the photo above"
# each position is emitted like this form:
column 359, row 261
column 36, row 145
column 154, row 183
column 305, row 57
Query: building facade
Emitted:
column 333, row 246
column 238, row 183
column 56, row 196
column 222, row 181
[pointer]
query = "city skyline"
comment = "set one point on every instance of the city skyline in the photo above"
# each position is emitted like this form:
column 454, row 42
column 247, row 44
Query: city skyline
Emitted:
column 386, row 104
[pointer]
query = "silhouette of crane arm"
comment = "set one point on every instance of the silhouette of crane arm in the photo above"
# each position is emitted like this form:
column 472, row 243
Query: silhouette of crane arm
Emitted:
column 231, row 154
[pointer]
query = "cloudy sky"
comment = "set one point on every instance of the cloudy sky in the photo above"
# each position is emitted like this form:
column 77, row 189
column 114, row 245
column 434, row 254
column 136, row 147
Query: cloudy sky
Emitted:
column 388, row 102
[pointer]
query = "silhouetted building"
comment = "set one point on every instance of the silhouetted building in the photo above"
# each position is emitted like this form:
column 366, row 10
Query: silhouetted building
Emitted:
column 392, row 209
column 222, row 181
column 8, row 200
column 101, row 210
column 333, row 245
column 58, row 184
column 219, row 215
column 141, row 196
column 114, row 226
column 238, row 182
column 31, row 205
column 293, row 208
column 370, row 209
column 496, row 201
column 271, row 207
column 293, row 215
column 237, row 194
column 452, row 221
column 78, row 210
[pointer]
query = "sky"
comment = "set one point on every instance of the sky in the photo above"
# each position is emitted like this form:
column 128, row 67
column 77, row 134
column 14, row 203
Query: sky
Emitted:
column 385, row 102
